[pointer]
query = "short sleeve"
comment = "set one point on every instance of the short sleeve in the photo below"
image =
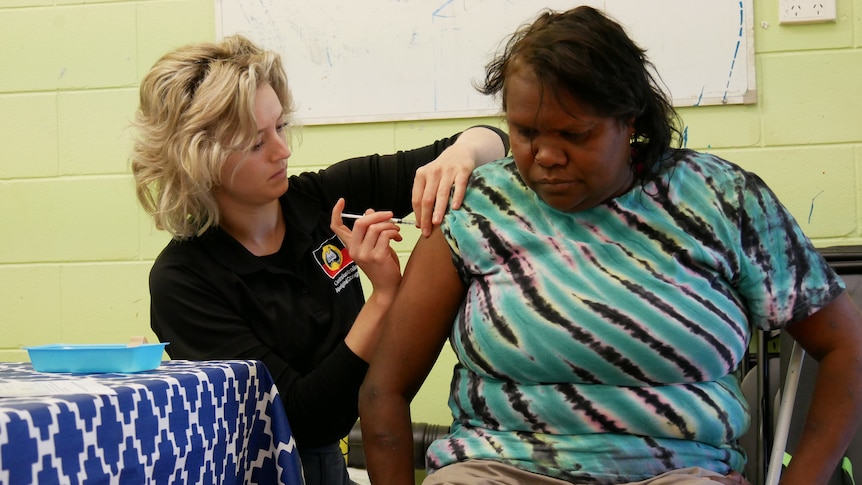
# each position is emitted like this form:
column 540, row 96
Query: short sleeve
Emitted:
column 780, row 275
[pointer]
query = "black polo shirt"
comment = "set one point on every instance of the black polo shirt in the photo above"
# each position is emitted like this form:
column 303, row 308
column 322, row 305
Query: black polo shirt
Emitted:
column 212, row 299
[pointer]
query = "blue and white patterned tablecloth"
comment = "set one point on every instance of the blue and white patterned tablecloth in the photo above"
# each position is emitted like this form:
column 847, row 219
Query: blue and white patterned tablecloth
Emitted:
column 214, row 422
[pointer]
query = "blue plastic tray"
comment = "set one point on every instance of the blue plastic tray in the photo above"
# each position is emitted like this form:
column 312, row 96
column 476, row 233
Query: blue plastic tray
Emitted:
column 96, row 358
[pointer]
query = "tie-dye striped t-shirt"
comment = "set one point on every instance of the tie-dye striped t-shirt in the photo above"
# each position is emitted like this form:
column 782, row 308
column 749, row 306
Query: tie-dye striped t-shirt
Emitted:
column 599, row 346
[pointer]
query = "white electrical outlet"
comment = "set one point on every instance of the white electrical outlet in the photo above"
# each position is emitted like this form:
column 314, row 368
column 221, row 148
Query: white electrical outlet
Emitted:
column 806, row 11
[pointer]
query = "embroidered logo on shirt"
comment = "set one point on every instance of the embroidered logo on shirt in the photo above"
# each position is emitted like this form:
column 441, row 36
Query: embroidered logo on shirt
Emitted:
column 333, row 258
column 335, row 261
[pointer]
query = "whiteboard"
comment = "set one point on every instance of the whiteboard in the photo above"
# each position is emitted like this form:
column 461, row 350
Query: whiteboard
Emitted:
column 351, row 61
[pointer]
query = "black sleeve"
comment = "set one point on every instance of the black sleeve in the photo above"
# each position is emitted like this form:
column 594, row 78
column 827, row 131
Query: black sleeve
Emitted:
column 382, row 182
column 202, row 320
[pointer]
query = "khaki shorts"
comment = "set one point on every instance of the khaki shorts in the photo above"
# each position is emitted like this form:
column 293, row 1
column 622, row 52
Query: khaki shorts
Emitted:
column 487, row 472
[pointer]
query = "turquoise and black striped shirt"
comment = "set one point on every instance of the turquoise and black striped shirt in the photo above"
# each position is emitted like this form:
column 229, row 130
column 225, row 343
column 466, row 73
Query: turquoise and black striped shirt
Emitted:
column 599, row 346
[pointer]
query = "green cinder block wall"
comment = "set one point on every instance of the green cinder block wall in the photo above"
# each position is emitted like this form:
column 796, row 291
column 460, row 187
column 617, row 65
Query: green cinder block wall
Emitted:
column 75, row 248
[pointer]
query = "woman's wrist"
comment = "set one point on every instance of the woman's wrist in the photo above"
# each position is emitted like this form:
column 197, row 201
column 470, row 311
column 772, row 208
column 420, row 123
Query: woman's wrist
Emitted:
column 382, row 297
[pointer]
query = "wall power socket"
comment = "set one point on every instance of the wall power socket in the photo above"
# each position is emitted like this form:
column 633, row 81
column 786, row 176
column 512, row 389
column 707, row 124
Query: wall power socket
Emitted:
column 806, row 11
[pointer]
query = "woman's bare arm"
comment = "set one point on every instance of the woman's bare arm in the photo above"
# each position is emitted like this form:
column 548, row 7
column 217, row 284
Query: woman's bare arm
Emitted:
column 415, row 329
column 833, row 336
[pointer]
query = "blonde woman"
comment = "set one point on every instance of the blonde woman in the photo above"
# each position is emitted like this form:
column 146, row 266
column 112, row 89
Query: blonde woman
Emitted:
column 261, row 265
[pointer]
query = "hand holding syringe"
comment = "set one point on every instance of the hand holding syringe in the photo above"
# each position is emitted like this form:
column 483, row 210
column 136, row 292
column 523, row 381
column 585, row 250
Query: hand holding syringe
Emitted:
column 396, row 220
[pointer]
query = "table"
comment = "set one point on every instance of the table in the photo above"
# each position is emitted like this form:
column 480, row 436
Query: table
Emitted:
column 213, row 422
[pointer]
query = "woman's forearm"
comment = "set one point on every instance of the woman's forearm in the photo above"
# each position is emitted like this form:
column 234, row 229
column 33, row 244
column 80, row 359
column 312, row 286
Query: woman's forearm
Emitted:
column 365, row 333
column 835, row 407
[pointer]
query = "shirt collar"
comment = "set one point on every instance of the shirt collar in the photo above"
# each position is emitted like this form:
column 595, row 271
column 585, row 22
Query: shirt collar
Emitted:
column 301, row 214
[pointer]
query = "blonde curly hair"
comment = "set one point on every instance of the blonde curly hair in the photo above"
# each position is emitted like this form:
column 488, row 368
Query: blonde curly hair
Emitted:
column 196, row 109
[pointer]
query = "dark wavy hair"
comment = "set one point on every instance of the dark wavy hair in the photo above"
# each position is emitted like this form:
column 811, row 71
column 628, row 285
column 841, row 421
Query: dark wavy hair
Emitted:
column 588, row 55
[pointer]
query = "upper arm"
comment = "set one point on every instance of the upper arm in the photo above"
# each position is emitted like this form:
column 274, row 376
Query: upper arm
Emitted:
column 419, row 320
column 836, row 326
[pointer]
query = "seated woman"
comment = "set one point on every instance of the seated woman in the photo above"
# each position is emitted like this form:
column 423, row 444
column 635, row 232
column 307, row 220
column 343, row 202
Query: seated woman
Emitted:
column 599, row 289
